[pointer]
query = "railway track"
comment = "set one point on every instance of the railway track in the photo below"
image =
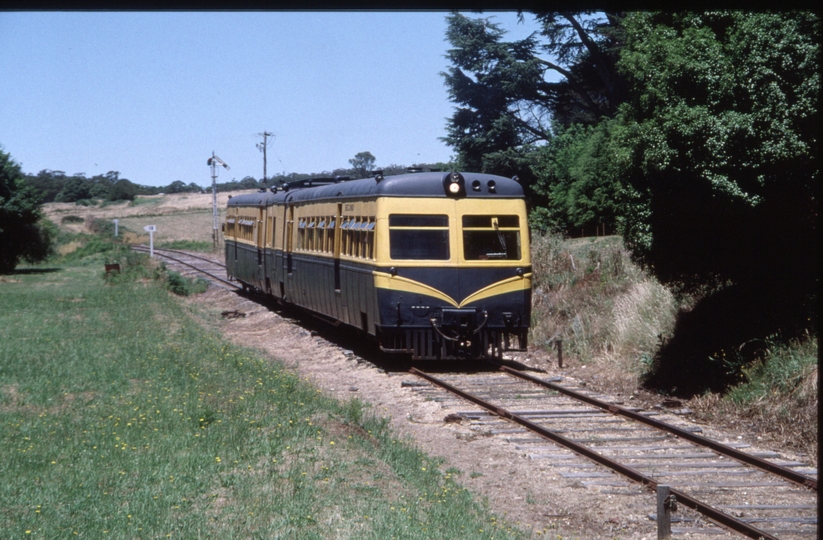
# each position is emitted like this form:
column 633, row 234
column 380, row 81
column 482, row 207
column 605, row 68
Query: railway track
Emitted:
column 193, row 264
column 599, row 444
column 603, row 445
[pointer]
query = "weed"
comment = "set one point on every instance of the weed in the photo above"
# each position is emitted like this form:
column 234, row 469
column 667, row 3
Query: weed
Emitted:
column 183, row 286
column 777, row 398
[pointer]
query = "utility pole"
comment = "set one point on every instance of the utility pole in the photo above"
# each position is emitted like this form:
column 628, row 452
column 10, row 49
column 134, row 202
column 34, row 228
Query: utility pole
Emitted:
column 262, row 147
column 213, row 162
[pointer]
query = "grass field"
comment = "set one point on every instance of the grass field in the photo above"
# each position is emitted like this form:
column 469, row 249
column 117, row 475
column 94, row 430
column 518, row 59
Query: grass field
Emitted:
column 182, row 216
column 191, row 225
column 122, row 416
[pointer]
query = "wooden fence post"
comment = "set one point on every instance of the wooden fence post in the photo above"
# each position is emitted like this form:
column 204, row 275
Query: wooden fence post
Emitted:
column 664, row 513
column 560, row 353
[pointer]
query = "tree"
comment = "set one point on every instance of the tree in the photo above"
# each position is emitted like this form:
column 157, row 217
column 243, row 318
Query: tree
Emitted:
column 506, row 98
column 363, row 163
column 248, row 182
column 580, row 174
column 122, row 190
column 722, row 188
column 99, row 191
column 48, row 183
column 74, row 189
column 21, row 236
column 178, row 186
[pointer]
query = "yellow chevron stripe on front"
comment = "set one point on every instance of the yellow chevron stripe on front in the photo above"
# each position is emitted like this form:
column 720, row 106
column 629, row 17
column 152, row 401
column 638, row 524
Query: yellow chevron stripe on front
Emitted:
column 517, row 283
column 395, row 283
column 383, row 280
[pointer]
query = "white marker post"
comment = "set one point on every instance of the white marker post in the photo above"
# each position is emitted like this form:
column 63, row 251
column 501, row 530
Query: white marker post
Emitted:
column 115, row 221
column 151, row 230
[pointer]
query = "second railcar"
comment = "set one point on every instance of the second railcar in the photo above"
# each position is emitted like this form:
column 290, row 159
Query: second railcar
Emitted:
column 434, row 265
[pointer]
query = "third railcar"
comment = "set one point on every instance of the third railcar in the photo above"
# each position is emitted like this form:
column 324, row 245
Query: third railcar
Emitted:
column 435, row 265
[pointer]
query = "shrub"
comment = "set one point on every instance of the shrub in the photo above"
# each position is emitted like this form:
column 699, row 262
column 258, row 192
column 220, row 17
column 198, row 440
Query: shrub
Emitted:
column 183, row 286
column 103, row 227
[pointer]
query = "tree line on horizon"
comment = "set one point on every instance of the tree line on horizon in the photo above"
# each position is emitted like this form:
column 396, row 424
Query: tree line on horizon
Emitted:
column 57, row 186
column 25, row 235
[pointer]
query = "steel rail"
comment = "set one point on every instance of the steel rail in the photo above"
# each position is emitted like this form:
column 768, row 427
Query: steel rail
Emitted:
column 710, row 512
column 143, row 249
column 186, row 253
column 720, row 448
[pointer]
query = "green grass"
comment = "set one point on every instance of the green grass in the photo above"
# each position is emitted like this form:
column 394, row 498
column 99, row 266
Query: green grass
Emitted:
column 782, row 371
column 190, row 245
column 144, row 201
column 121, row 416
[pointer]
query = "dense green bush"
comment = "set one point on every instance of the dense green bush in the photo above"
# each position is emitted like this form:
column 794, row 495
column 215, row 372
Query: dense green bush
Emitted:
column 24, row 235
column 183, row 286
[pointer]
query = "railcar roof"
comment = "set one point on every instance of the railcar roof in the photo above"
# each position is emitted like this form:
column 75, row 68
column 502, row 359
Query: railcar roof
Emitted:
column 257, row 199
column 427, row 184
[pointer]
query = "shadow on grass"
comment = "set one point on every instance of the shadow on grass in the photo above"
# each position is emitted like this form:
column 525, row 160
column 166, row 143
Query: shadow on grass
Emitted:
column 29, row 271
column 714, row 342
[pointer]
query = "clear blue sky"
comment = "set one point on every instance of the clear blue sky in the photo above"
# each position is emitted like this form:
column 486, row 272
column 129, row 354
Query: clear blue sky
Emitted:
column 151, row 95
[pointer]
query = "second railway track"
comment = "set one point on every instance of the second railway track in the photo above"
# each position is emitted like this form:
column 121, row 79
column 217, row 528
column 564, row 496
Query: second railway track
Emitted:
column 191, row 263
column 602, row 445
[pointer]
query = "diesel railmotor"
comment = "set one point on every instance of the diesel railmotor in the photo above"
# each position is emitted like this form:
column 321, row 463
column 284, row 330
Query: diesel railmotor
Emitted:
column 435, row 265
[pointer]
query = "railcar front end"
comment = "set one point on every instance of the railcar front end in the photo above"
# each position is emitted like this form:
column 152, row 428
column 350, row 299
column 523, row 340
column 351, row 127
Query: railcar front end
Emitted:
column 453, row 276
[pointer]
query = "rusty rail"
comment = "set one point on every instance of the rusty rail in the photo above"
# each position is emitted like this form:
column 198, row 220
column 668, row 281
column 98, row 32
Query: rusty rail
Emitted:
column 720, row 448
column 144, row 249
column 185, row 253
column 682, row 498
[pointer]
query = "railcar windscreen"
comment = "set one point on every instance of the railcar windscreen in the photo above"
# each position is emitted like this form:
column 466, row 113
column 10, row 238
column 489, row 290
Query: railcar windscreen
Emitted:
column 419, row 237
column 491, row 238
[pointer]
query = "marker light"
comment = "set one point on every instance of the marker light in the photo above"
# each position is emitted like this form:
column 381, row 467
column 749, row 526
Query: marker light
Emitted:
column 454, row 184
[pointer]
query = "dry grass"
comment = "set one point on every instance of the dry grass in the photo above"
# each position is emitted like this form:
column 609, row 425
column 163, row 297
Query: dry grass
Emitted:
column 180, row 216
column 639, row 318
column 608, row 313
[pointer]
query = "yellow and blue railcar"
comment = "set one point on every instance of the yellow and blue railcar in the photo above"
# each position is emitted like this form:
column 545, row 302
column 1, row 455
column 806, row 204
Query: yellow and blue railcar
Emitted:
column 435, row 265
